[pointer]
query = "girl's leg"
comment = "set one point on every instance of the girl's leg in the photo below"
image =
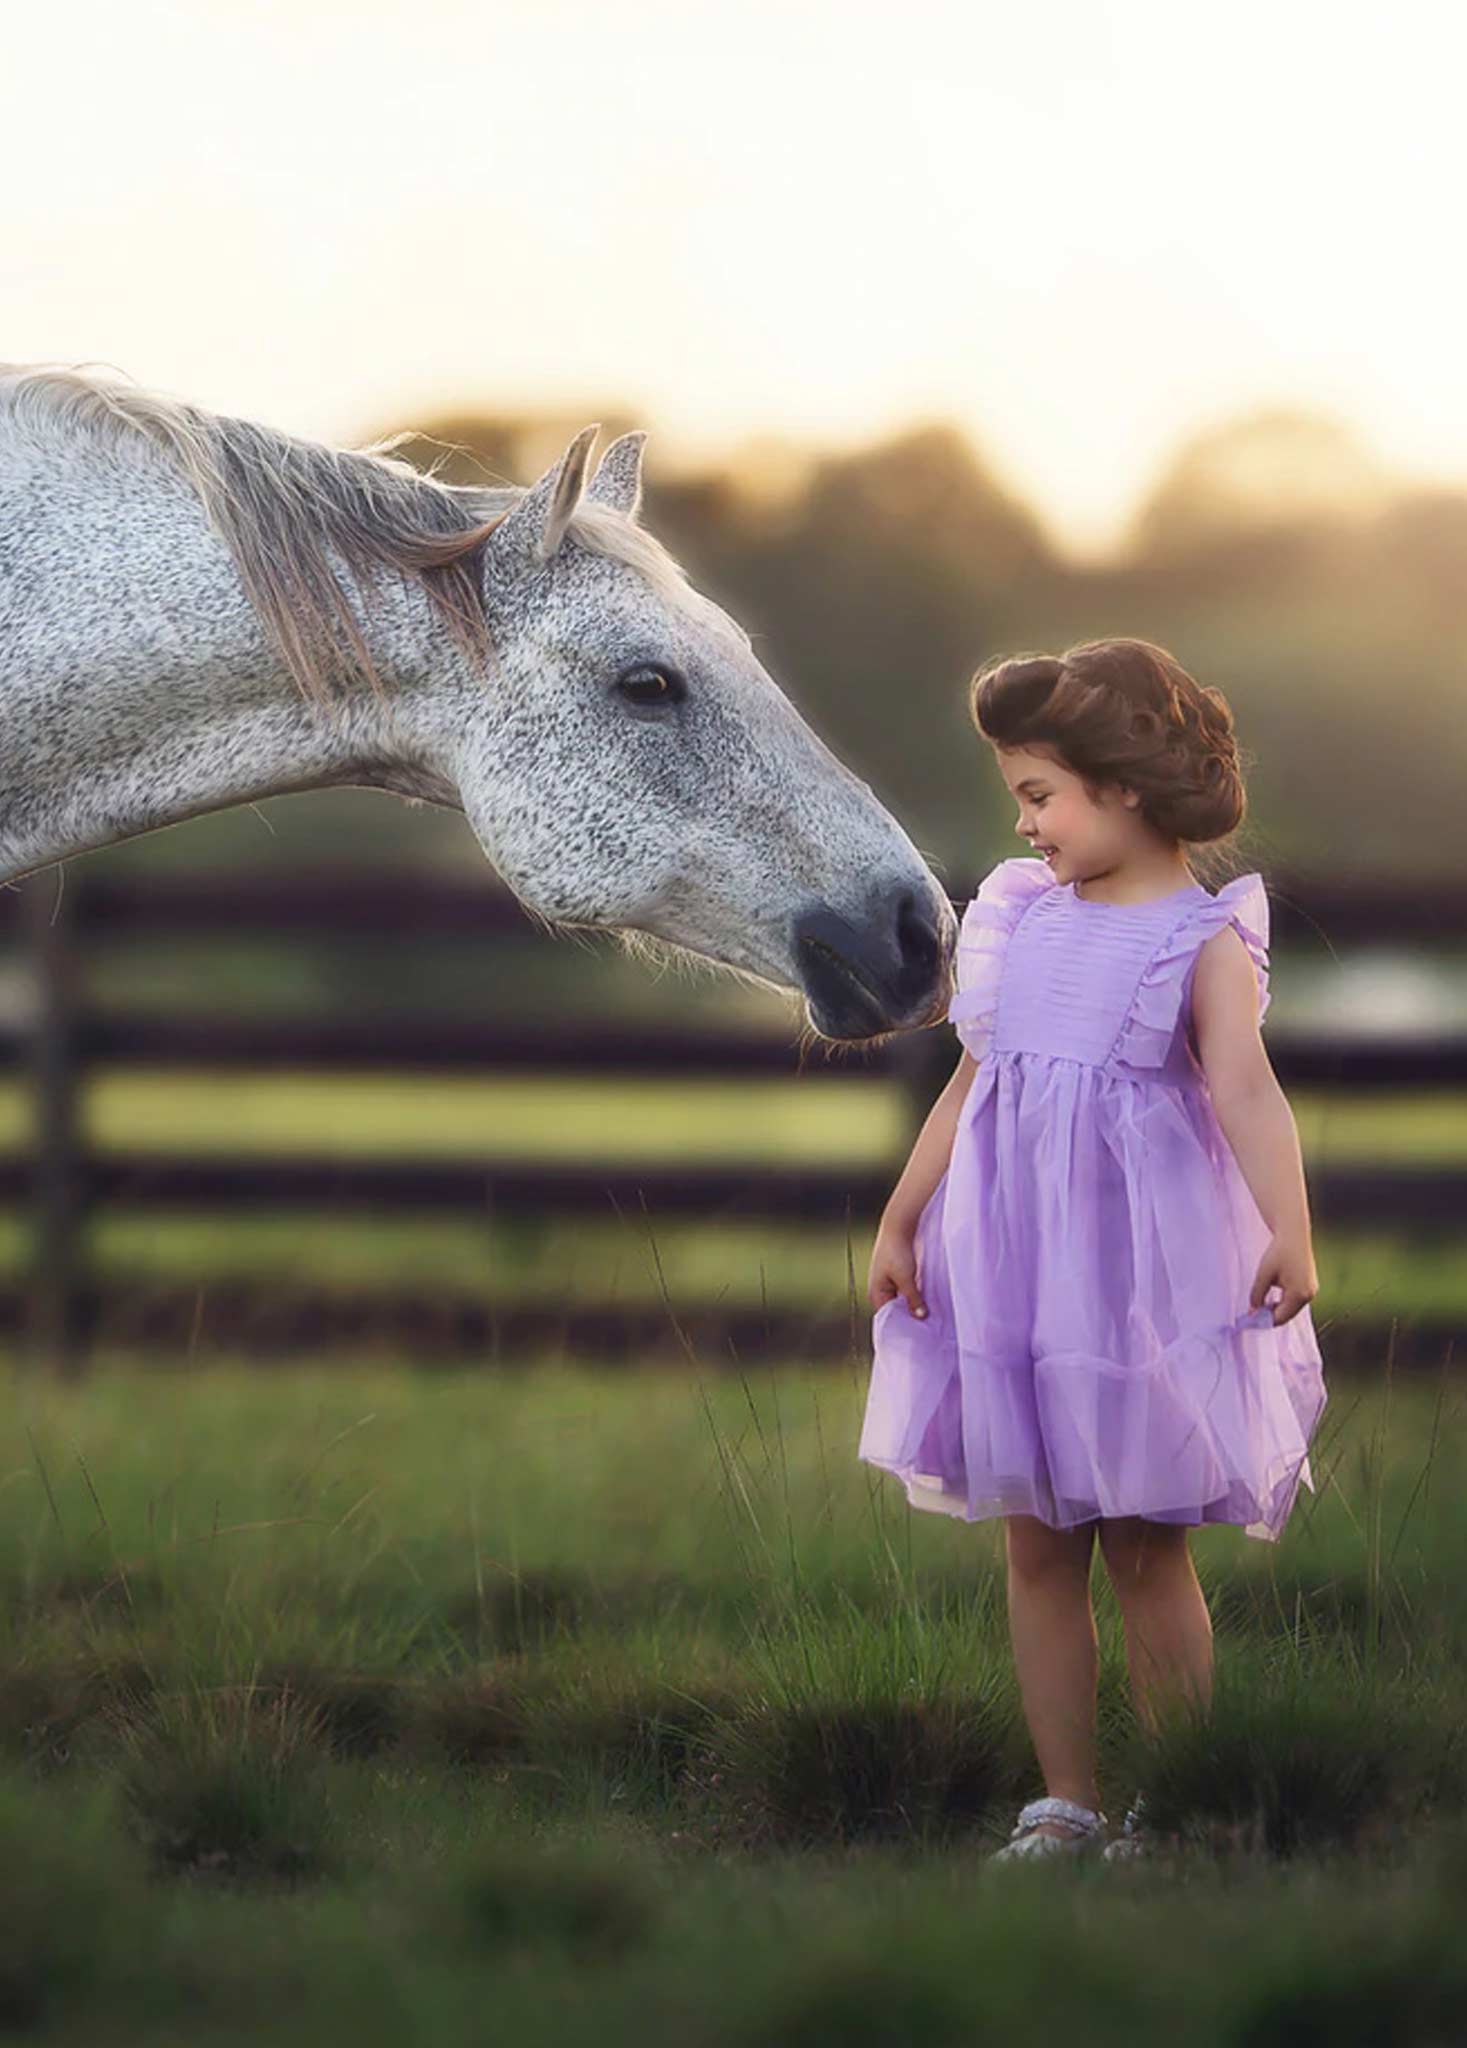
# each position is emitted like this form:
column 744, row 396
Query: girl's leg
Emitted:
column 1052, row 1627
column 1168, row 1628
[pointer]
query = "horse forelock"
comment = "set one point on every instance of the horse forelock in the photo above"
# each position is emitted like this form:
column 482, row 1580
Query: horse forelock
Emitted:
column 285, row 506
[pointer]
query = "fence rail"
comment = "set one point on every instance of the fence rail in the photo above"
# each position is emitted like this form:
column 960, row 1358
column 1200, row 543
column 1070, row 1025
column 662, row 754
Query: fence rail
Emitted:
column 437, row 1045
column 159, row 1181
column 62, row 1040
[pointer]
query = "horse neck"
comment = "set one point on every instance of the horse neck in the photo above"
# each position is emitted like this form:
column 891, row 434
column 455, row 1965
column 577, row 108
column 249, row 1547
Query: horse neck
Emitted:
column 137, row 687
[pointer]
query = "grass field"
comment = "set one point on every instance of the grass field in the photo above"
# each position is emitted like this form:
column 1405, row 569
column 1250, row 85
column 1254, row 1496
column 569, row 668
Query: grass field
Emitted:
column 522, row 1117
column 356, row 1706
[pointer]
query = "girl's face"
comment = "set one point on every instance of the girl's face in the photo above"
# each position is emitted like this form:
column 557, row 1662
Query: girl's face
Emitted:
column 1079, row 835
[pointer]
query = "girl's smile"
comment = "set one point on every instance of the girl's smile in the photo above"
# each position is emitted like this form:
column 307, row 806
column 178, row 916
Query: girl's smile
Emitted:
column 1106, row 840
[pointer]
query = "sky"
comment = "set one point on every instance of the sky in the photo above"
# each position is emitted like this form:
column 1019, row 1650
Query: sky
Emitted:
column 1080, row 230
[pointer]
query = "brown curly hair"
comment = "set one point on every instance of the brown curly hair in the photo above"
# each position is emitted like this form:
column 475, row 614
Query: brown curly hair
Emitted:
column 1117, row 711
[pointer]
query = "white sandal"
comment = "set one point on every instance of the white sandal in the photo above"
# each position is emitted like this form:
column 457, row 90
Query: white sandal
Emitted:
column 1085, row 1823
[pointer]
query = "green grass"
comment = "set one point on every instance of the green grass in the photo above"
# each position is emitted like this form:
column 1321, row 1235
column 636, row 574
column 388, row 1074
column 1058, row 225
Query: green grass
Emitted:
column 833, row 1121
column 1400, row 1127
column 839, row 1121
column 569, row 1705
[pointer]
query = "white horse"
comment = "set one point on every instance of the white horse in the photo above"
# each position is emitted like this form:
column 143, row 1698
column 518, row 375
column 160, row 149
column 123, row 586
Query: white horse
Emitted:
column 197, row 611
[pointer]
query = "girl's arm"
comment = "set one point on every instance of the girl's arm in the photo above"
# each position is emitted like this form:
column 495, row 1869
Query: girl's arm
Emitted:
column 893, row 1258
column 1254, row 1115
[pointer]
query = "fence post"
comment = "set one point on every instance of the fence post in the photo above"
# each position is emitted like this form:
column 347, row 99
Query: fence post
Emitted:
column 57, row 1189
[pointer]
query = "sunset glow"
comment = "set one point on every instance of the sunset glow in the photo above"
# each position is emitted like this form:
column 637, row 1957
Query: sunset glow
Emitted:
column 1082, row 231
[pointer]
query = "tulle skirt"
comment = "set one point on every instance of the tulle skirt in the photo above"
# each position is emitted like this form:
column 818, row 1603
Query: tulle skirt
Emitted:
column 1089, row 1350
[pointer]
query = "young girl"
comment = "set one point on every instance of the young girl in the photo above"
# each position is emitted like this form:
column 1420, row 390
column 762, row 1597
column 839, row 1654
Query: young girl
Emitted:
column 1070, row 1277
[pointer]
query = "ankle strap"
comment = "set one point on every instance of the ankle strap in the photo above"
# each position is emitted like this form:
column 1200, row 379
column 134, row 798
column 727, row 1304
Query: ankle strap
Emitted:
column 1084, row 1819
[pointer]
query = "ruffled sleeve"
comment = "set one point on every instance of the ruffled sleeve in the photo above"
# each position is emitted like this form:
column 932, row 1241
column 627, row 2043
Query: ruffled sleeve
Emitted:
column 1166, row 984
column 983, row 936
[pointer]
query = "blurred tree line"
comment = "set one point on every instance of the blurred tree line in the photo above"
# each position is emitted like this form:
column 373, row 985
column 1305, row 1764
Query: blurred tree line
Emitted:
column 1274, row 556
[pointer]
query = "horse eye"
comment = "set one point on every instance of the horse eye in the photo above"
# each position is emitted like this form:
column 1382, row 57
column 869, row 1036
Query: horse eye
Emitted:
column 648, row 685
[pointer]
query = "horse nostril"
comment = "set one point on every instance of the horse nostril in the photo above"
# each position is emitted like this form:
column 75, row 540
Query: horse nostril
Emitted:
column 926, row 941
column 888, row 970
column 919, row 946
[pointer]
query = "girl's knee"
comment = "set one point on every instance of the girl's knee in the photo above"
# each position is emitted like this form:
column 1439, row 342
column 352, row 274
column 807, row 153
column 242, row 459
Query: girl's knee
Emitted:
column 1036, row 1552
column 1139, row 1554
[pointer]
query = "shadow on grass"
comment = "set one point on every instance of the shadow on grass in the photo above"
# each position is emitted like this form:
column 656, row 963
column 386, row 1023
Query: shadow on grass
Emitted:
column 1300, row 1754
column 227, row 1782
column 881, row 1767
column 46, row 1709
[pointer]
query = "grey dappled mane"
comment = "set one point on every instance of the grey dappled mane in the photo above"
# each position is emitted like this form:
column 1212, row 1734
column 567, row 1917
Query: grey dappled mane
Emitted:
column 285, row 507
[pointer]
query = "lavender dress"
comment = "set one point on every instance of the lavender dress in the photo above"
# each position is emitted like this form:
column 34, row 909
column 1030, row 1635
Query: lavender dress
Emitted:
column 1087, row 1256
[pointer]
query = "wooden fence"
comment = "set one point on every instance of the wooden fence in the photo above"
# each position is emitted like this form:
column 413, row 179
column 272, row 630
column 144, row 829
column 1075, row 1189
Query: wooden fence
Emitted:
column 64, row 1040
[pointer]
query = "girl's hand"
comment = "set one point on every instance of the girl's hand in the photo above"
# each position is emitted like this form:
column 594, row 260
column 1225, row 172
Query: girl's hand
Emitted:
column 1288, row 1264
column 894, row 1270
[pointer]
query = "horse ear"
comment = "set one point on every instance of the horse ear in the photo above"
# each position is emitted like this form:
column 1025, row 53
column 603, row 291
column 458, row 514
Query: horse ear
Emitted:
column 618, row 479
column 529, row 536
